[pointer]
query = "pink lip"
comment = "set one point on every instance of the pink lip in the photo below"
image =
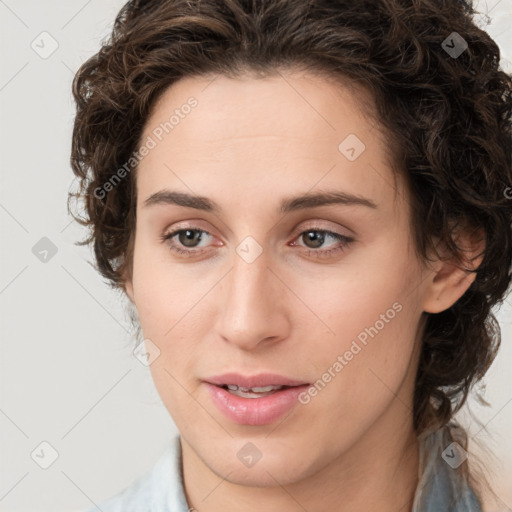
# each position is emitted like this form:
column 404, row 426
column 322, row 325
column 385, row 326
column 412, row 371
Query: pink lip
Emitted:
column 254, row 411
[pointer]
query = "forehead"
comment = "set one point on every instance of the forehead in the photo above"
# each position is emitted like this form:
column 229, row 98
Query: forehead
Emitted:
column 300, row 106
column 260, row 134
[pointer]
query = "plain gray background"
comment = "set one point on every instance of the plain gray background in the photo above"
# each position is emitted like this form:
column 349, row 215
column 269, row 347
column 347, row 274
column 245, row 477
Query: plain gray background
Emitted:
column 68, row 376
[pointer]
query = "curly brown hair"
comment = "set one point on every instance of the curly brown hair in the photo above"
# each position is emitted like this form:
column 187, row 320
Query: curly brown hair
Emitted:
column 447, row 117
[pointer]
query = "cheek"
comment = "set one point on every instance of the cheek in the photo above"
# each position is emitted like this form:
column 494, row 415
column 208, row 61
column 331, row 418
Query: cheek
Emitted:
column 359, row 372
column 370, row 318
column 160, row 289
column 170, row 299
column 367, row 296
column 368, row 339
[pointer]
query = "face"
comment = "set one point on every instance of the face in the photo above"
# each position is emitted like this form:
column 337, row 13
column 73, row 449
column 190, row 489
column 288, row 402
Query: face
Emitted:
column 326, row 297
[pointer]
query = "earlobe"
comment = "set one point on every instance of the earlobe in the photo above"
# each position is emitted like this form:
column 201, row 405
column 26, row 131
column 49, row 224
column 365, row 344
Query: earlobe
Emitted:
column 449, row 281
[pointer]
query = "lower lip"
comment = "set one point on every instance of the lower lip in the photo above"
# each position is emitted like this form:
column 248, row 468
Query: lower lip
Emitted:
column 255, row 411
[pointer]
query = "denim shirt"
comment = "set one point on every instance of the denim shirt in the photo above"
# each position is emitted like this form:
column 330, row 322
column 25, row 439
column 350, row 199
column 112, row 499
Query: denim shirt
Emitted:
column 440, row 489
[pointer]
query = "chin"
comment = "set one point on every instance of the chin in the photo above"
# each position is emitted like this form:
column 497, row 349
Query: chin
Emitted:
column 259, row 475
column 277, row 466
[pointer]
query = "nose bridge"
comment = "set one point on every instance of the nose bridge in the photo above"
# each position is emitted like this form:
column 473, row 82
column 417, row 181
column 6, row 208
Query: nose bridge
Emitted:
column 251, row 311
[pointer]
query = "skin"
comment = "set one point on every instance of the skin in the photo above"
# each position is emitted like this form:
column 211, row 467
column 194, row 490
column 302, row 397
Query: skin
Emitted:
column 248, row 144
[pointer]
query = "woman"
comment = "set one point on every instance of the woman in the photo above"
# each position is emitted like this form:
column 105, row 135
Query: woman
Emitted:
column 307, row 204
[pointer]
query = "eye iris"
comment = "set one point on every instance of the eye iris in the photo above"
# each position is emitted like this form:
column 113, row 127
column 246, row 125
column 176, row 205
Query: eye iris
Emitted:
column 186, row 239
column 315, row 236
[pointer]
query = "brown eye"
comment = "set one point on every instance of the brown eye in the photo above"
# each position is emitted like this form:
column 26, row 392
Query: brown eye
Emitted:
column 314, row 239
column 188, row 237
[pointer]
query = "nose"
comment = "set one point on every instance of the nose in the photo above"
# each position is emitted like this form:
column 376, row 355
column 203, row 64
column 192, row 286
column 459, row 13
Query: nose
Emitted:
column 253, row 307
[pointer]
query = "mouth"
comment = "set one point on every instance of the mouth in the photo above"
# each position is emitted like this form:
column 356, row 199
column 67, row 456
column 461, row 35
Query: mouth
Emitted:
column 254, row 400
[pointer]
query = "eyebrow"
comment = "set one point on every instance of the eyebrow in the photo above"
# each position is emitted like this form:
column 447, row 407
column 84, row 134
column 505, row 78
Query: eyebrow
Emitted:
column 290, row 204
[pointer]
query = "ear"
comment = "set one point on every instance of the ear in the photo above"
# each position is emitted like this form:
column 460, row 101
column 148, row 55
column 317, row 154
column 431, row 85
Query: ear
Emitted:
column 448, row 281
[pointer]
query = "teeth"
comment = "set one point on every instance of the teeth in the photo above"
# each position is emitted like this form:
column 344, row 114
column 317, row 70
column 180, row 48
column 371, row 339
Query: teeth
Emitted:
column 256, row 392
column 264, row 389
column 261, row 389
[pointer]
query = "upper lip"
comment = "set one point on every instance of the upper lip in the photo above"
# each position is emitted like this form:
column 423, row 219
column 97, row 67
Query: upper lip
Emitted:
column 252, row 381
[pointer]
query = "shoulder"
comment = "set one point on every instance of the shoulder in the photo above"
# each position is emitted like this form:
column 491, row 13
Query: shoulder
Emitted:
column 160, row 489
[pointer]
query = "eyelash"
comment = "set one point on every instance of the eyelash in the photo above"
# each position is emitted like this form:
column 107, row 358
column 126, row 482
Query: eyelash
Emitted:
column 167, row 237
